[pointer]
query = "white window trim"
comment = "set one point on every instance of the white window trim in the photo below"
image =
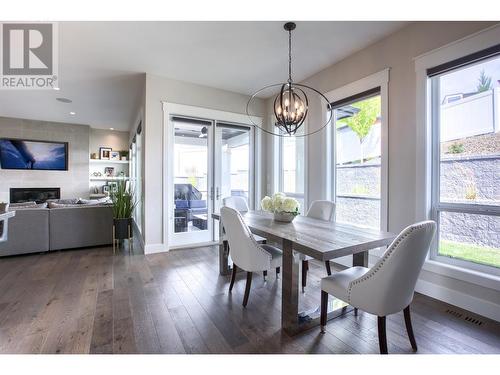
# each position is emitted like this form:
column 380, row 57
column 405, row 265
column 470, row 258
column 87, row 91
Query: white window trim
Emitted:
column 463, row 47
column 380, row 79
column 170, row 109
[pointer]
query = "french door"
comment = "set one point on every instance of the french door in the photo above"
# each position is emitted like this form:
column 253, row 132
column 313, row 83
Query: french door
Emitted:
column 211, row 160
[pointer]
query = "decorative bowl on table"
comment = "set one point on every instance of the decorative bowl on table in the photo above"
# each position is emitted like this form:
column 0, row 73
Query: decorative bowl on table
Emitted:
column 284, row 208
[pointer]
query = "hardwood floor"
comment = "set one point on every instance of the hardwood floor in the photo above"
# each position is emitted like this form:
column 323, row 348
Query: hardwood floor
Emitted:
column 89, row 301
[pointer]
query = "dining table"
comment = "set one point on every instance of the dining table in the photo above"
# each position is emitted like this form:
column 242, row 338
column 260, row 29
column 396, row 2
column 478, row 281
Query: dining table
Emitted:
column 321, row 240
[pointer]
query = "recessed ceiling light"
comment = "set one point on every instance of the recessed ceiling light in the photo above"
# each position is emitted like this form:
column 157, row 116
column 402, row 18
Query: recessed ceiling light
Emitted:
column 72, row 113
column 64, row 100
column 57, row 88
column 111, row 128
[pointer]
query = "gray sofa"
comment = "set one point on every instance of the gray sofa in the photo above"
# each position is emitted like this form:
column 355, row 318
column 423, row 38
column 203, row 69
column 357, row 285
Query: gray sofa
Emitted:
column 35, row 230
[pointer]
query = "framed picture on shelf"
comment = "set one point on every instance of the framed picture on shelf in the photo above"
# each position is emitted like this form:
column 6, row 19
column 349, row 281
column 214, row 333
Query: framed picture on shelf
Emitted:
column 104, row 153
column 114, row 155
column 109, row 171
column 113, row 186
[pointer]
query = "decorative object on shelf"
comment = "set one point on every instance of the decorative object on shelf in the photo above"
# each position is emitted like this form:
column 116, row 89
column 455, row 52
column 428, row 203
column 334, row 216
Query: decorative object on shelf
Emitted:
column 104, row 153
column 105, row 189
column 95, row 190
column 291, row 105
column 93, row 155
column 284, row 208
column 124, row 155
column 114, row 155
column 97, row 174
column 121, row 174
column 4, row 207
column 109, row 171
column 113, row 186
column 124, row 203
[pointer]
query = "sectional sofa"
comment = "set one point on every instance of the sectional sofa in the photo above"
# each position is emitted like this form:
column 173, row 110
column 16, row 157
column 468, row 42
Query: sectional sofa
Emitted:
column 62, row 226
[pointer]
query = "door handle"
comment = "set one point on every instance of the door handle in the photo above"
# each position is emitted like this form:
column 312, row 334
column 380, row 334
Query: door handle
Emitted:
column 211, row 193
column 217, row 194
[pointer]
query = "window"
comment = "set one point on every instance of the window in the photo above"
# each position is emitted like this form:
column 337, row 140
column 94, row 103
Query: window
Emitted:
column 465, row 107
column 357, row 159
column 292, row 167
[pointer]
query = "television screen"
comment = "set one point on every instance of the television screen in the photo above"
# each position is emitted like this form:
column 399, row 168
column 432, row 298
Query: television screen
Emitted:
column 35, row 155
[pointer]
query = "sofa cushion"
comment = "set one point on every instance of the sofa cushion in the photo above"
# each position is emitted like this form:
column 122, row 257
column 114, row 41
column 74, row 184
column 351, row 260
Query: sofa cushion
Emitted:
column 31, row 206
column 63, row 205
column 23, row 204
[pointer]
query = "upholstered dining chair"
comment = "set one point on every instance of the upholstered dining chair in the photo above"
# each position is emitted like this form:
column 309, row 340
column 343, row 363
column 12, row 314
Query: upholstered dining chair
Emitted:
column 246, row 253
column 240, row 204
column 321, row 210
column 388, row 286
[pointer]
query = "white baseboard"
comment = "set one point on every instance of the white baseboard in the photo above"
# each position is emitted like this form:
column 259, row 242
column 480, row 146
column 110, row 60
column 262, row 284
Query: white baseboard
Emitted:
column 155, row 248
column 465, row 301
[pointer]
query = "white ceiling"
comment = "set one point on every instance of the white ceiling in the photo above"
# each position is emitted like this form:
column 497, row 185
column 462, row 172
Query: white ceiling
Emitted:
column 101, row 63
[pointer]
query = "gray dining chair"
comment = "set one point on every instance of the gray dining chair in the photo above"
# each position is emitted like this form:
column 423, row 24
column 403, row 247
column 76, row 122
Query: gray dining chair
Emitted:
column 388, row 286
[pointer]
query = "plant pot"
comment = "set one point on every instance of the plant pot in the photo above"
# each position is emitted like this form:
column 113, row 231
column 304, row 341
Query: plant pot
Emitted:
column 122, row 228
column 4, row 207
column 284, row 217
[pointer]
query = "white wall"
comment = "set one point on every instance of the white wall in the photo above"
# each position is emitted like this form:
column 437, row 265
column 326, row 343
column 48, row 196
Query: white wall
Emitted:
column 74, row 182
column 117, row 140
column 396, row 52
column 160, row 89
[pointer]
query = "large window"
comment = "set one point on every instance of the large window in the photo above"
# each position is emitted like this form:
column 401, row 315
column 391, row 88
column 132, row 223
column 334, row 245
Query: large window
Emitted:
column 465, row 108
column 357, row 159
column 292, row 167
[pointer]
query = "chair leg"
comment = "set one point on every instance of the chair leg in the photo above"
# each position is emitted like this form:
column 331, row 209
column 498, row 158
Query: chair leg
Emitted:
column 233, row 277
column 328, row 268
column 382, row 337
column 277, row 272
column 324, row 310
column 265, row 275
column 409, row 328
column 355, row 311
column 247, row 288
column 305, row 267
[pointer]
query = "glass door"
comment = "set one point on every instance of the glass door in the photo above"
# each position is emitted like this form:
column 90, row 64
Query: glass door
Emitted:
column 233, row 172
column 192, row 190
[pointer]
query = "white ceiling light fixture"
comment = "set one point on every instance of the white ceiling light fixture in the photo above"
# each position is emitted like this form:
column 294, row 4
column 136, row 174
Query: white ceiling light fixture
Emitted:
column 72, row 113
column 111, row 128
column 291, row 104
column 57, row 88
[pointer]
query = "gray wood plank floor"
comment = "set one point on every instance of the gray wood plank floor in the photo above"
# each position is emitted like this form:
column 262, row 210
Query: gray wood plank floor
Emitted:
column 89, row 301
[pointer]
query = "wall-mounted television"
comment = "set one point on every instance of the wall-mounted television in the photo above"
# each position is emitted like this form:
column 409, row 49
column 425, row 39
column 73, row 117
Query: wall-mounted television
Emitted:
column 34, row 155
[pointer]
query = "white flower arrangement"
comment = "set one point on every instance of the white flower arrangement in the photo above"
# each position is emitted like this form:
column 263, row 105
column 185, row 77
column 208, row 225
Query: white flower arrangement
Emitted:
column 280, row 203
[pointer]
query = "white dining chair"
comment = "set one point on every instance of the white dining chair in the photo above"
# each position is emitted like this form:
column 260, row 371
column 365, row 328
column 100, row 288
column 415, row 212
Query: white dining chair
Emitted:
column 246, row 253
column 388, row 286
column 321, row 210
column 240, row 204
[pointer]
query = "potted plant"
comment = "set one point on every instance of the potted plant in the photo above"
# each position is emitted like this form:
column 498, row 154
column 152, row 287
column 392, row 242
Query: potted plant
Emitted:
column 123, row 207
column 283, row 208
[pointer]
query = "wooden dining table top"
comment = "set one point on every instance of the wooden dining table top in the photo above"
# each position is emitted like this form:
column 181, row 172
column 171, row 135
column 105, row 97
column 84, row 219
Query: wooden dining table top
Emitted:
column 322, row 240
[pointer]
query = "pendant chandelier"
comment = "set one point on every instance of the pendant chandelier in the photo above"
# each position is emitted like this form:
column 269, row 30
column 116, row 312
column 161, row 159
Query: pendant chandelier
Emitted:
column 291, row 104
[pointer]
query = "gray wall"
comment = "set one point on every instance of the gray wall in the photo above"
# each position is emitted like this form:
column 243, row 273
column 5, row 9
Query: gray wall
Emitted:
column 74, row 182
column 117, row 140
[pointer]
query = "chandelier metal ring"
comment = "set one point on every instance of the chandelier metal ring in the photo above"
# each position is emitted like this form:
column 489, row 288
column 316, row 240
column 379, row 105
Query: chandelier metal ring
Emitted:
column 256, row 93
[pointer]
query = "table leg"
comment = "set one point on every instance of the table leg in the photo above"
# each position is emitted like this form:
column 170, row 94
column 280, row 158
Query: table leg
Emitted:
column 360, row 259
column 290, row 290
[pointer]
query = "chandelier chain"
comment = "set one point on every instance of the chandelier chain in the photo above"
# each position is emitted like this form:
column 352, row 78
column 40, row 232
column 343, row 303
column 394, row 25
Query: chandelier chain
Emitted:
column 289, row 56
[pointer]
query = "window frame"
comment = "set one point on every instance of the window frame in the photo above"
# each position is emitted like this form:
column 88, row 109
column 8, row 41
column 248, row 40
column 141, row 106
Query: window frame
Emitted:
column 278, row 176
column 436, row 206
column 377, row 80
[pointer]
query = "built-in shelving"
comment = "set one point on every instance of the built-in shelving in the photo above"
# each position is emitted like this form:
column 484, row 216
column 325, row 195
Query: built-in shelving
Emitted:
column 108, row 178
column 105, row 161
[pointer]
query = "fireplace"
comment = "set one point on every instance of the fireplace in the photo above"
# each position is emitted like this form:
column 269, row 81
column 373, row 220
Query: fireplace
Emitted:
column 39, row 195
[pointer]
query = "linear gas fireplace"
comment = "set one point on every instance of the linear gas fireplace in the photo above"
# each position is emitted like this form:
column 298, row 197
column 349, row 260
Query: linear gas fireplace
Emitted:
column 39, row 195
